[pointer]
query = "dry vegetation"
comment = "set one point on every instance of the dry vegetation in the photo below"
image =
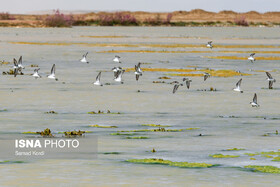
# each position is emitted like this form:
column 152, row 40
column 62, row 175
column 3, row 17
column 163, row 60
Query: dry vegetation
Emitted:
column 195, row 17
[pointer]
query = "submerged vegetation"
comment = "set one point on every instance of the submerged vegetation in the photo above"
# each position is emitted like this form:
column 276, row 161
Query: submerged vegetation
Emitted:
column 137, row 137
column 170, row 163
column 46, row 133
column 264, row 169
column 155, row 125
column 235, row 149
column 223, row 156
column 102, row 126
column 74, row 134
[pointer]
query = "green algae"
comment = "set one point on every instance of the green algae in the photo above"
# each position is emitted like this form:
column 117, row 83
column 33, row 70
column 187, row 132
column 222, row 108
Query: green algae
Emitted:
column 122, row 134
column 277, row 159
column 264, row 169
column 235, row 149
column 170, row 163
column 223, row 156
column 270, row 153
column 74, row 134
column 112, row 153
column 251, row 154
column 137, row 137
column 102, row 126
column 155, row 125
column 11, row 162
column 159, row 130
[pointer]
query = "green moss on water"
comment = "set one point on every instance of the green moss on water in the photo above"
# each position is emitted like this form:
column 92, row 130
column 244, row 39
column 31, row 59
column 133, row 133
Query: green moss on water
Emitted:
column 277, row 159
column 122, row 134
column 271, row 153
column 235, row 149
column 29, row 132
column 102, row 126
column 251, row 154
column 170, row 163
column 264, row 169
column 223, row 156
column 267, row 156
column 11, row 162
column 137, row 137
column 111, row 153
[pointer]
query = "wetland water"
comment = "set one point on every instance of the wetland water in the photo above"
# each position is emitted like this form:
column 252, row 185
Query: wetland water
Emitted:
column 224, row 117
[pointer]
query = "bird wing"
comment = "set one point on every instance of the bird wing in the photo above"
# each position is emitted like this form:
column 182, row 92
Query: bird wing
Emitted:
column 53, row 69
column 20, row 60
column 15, row 72
column 15, row 62
column 255, row 98
column 98, row 76
column 188, row 83
column 137, row 77
column 175, row 88
column 252, row 54
column 269, row 75
column 238, row 84
column 205, row 77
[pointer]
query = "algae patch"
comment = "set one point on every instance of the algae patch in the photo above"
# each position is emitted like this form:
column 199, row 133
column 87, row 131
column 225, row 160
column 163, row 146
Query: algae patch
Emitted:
column 170, row 163
column 102, row 126
column 223, row 156
column 160, row 130
column 137, row 137
column 264, row 169
column 235, row 149
column 102, row 112
column 155, row 125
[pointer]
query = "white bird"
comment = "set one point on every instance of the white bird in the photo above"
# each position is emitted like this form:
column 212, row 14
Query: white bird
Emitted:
column 251, row 58
column 117, row 59
column 97, row 82
column 209, row 44
column 52, row 75
column 254, row 103
column 188, row 82
column 138, row 71
column 84, row 59
column 36, row 74
column 237, row 88
column 118, row 76
column 270, row 79
column 115, row 70
column 206, row 75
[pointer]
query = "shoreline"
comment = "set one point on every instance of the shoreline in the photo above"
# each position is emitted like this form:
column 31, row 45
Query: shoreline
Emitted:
column 193, row 18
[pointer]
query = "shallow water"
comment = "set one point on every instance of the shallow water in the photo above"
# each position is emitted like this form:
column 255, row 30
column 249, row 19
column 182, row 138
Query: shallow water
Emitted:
column 26, row 100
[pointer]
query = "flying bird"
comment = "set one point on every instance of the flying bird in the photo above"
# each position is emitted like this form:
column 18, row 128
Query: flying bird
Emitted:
column 97, row 81
column 84, row 59
column 251, row 58
column 176, row 86
column 52, row 75
column 206, row 75
column 188, row 82
column 254, row 103
column 138, row 71
column 117, row 59
column 118, row 77
column 237, row 88
column 209, row 44
column 36, row 73
column 270, row 79
column 20, row 63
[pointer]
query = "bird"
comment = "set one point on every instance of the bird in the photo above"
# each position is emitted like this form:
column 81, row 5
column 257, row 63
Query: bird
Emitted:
column 237, row 88
column 251, row 58
column 209, row 44
column 118, row 77
column 176, row 86
column 52, row 75
column 16, row 67
column 20, row 63
column 115, row 70
column 188, row 82
column 138, row 71
column 270, row 79
column 254, row 103
column 206, row 75
column 117, row 59
column 84, row 60
column 97, row 82
column 36, row 74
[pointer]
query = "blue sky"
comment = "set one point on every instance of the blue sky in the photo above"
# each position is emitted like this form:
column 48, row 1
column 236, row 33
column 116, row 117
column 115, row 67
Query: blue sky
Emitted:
column 26, row 6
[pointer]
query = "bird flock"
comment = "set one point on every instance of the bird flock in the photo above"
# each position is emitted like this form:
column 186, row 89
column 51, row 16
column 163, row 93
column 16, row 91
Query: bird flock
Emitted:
column 118, row 73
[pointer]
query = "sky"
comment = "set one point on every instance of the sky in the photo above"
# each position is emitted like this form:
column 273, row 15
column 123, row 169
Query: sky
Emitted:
column 29, row 6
